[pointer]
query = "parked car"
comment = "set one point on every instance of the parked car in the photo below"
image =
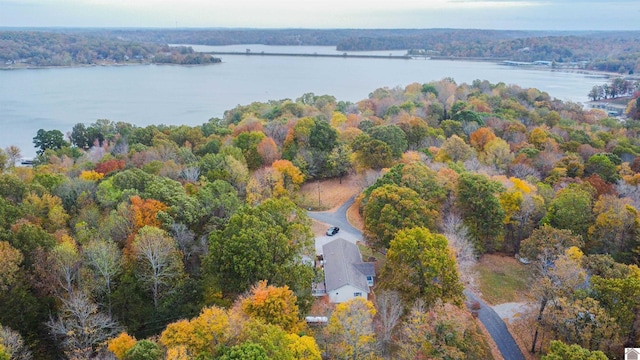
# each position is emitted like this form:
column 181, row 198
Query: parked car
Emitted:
column 333, row 230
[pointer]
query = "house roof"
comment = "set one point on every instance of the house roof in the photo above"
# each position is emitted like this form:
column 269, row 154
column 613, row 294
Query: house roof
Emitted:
column 343, row 266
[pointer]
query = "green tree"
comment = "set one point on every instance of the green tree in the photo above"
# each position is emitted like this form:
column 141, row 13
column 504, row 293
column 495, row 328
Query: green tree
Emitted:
column 391, row 208
column 481, row 209
column 562, row 351
column 339, row 161
column 265, row 242
column 391, row 135
column 621, row 298
column 571, row 209
column 420, row 266
column 144, row 350
column 51, row 139
column 371, row 153
column 245, row 351
column 602, row 165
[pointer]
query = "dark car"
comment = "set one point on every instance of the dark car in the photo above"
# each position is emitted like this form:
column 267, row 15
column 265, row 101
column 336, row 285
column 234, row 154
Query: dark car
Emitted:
column 333, row 230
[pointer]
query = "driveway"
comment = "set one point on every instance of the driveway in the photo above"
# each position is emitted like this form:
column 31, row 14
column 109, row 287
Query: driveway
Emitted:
column 337, row 218
column 497, row 329
column 487, row 316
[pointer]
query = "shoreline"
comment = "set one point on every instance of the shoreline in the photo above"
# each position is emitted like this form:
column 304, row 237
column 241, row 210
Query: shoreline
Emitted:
column 587, row 72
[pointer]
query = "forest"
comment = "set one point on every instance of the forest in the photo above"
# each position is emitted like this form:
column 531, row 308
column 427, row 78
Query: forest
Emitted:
column 603, row 51
column 189, row 242
column 37, row 48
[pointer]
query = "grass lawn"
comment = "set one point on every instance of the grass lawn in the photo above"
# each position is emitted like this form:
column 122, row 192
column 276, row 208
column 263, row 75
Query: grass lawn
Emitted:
column 368, row 253
column 502, row 279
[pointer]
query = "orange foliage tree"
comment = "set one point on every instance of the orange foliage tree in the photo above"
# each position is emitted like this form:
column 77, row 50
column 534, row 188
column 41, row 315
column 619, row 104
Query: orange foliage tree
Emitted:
column 273, row 305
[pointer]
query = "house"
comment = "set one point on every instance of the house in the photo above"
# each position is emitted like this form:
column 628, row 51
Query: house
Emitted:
column 631, row 354
column 345, row 274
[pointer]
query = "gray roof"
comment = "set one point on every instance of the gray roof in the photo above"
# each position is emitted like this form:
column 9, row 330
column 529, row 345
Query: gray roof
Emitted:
column 343, row 266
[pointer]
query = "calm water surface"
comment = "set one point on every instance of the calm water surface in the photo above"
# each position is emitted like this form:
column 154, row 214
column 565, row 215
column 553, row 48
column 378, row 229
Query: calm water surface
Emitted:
column 166, row 94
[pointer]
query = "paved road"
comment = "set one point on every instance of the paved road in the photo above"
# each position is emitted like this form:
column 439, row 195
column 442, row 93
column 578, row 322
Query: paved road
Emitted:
column 497, row 329
column 337, row 218
column 488, row 317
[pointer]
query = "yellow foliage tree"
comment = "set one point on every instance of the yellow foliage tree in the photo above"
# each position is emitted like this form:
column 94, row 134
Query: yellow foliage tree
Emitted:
column 178, row 353
column 121, row 344
column 351, row 328
column 292, row 177
column 203, row 334
column 91, row 175
column 273, row 305
column 303, row 347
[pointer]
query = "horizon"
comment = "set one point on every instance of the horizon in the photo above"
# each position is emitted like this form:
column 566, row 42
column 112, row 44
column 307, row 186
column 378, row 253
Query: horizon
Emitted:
column 514, row 15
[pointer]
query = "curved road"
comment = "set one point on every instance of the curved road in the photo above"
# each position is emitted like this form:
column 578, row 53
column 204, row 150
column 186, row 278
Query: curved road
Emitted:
column 487, row 316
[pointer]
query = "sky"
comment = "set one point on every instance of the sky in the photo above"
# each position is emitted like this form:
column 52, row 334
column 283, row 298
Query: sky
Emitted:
column 463, row 14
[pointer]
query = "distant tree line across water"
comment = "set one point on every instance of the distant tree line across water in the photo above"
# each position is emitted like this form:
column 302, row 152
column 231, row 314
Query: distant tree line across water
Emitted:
column 603, row 51
column 38, row 48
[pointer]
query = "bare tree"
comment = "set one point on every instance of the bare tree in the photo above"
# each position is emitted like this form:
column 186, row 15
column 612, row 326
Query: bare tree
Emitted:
column 14, row 344
column 13, row 155
column 191, row 174
column 66, row 263
column 80, row 328
column 556, row 277
column 390, row 308
column 461, row 246
column 158, row 258
column 105, row 259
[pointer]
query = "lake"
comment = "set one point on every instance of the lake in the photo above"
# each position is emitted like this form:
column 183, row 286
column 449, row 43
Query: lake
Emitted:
column 32, row 99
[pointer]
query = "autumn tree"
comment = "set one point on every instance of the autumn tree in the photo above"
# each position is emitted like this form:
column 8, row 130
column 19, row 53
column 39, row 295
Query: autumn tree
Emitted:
column 523, row 208
column 443, row 331
column 549, row 243
column 351, row 329
column 205, row 334
column 555, row 278
column 11, row 262
column 158, row 259
column 420, row 266
column 454, row 149
column 615, row 228
column 273, row 305
column 582, row 321
column 120, row 344
column 481, row 137
column 268, row 151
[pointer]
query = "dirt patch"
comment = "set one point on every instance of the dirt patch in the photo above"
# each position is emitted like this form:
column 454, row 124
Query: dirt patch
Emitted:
column 354, row 218
column 328, row 194
column 319, row 228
